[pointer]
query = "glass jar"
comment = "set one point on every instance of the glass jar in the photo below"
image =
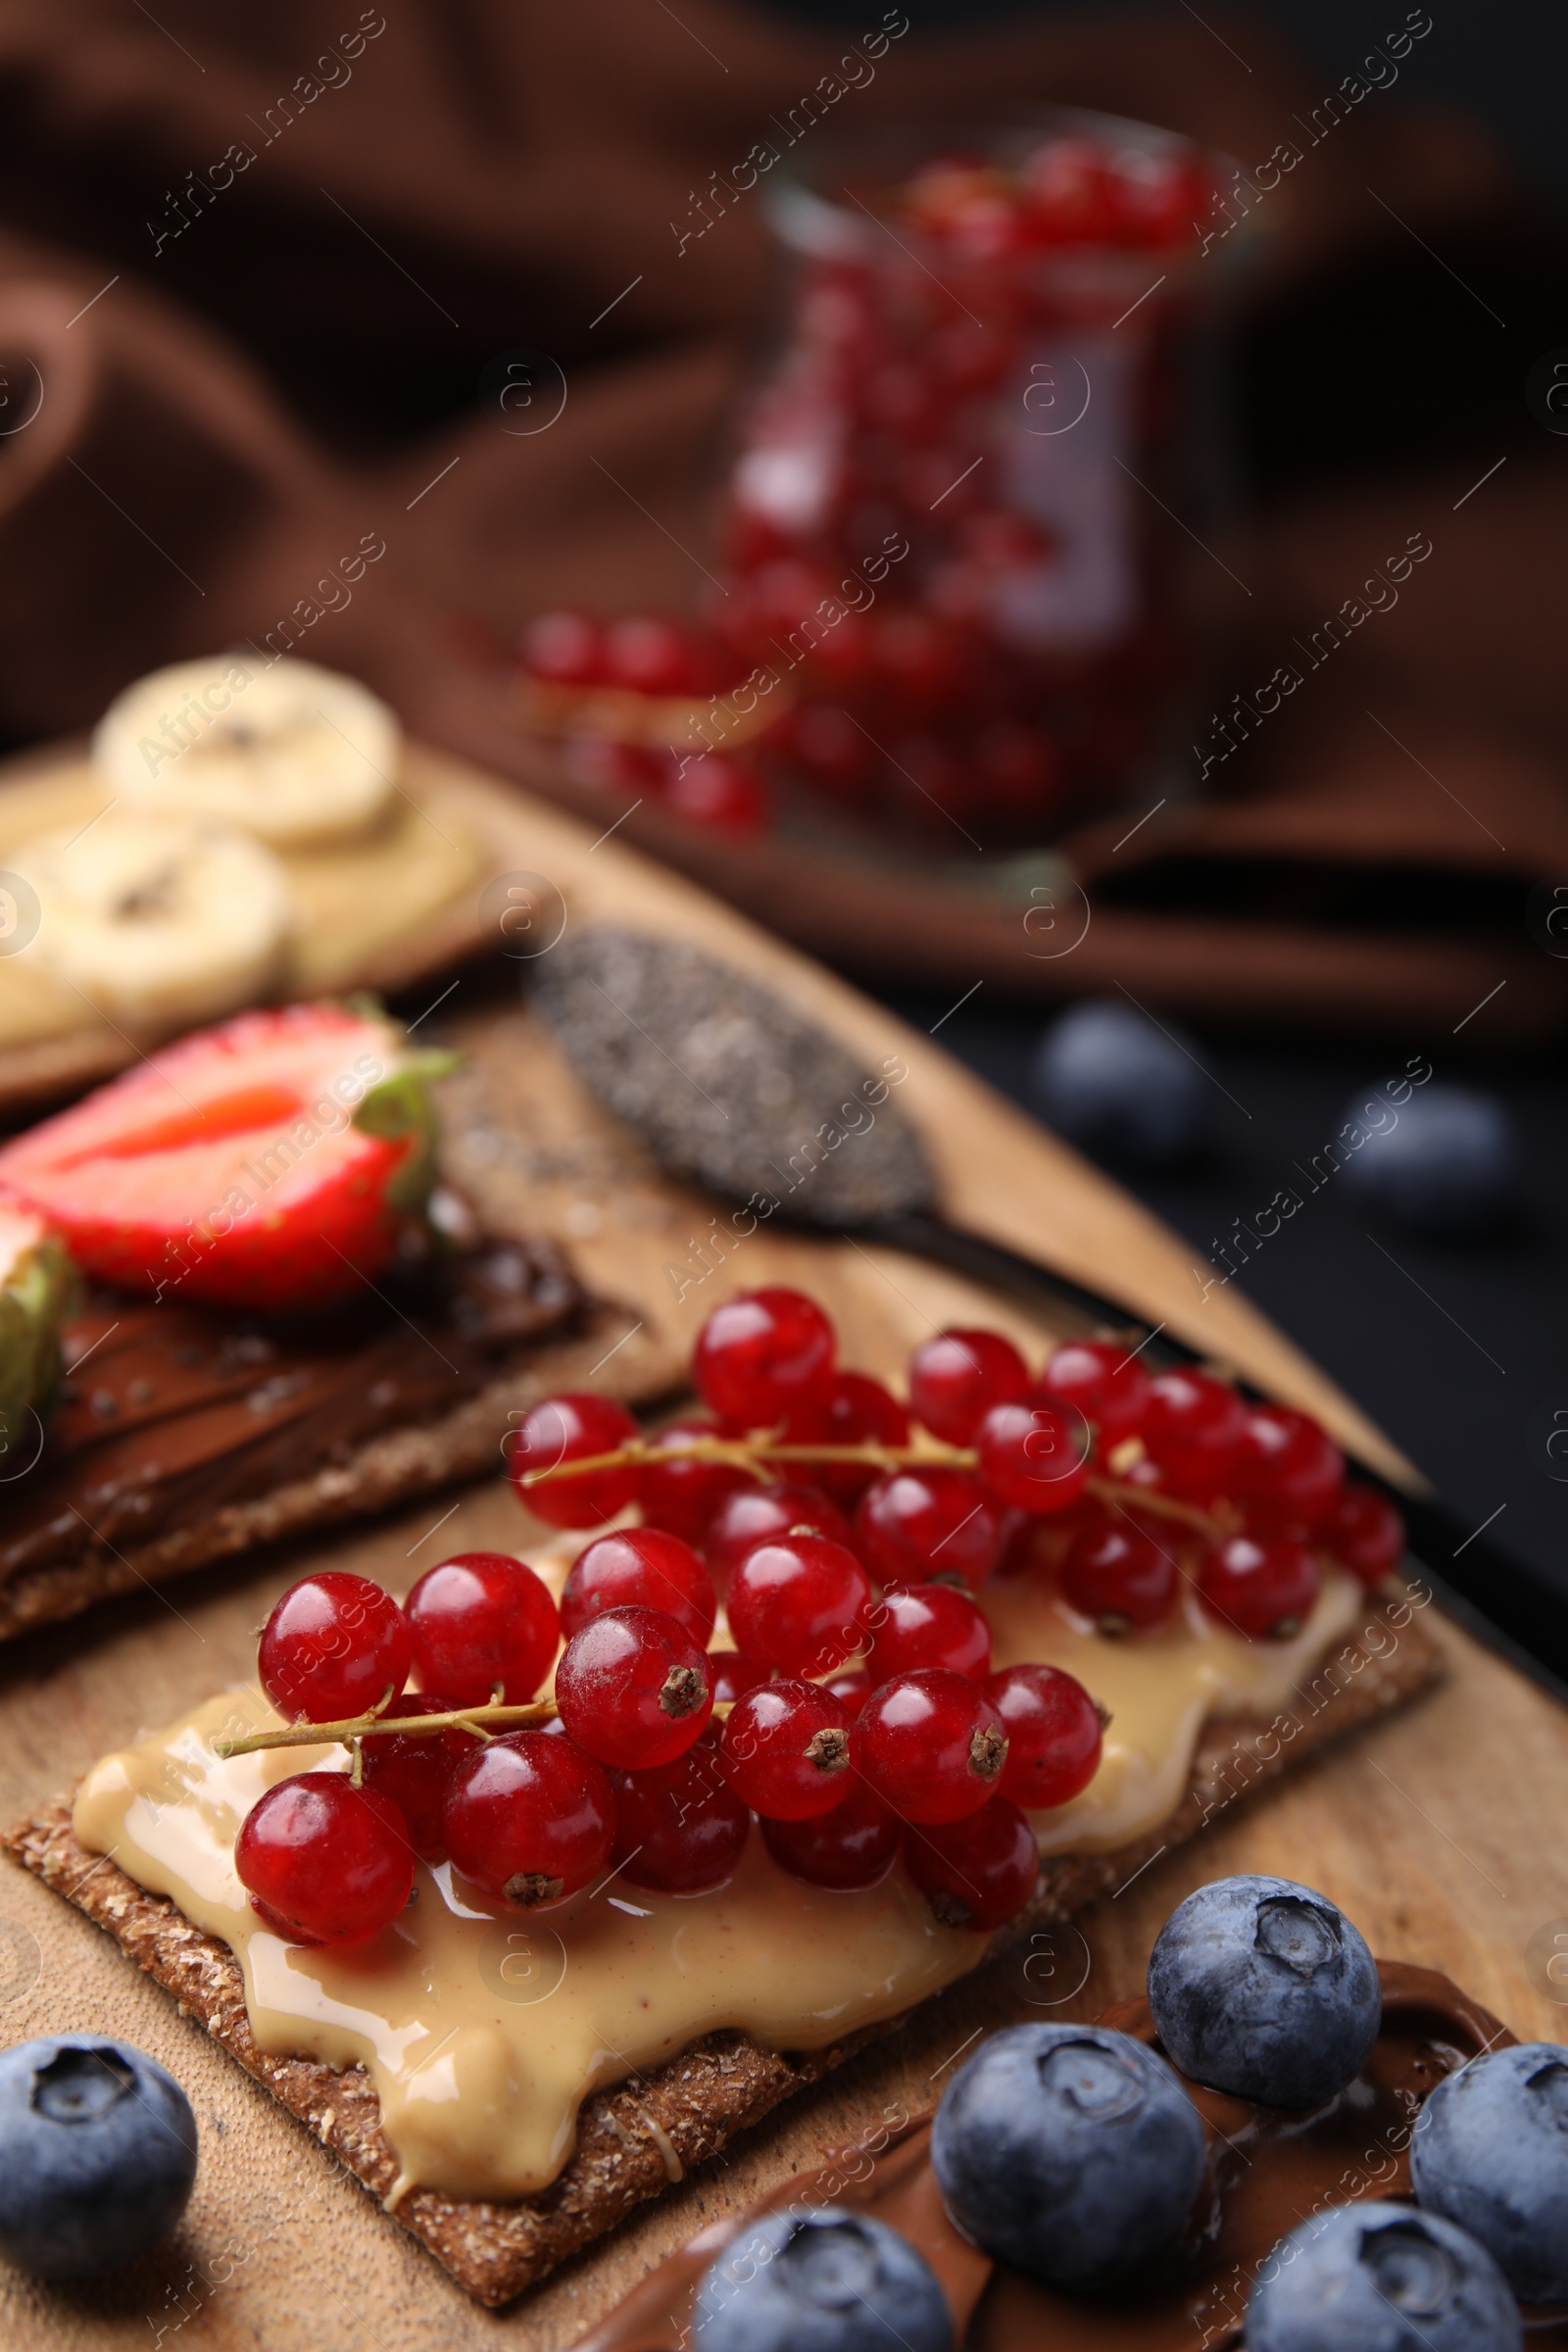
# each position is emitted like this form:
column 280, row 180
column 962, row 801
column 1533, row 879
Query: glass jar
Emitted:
column 951, row 518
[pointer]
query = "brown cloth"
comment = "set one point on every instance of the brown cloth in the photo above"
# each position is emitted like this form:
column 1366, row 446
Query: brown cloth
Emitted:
column 254, row 263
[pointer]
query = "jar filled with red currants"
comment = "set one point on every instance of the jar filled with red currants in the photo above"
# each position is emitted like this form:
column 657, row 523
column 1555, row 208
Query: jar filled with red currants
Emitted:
column 949, row 542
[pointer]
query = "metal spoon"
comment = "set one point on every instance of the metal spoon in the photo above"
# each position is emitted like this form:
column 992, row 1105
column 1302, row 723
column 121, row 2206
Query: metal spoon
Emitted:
column 728, row 1084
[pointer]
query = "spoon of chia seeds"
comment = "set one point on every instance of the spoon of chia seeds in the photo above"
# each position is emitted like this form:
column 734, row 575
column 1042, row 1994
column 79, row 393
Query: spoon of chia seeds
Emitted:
column 727, row 1083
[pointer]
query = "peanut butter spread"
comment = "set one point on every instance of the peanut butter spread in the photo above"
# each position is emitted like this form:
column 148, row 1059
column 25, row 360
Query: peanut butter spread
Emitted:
column 483, row 2030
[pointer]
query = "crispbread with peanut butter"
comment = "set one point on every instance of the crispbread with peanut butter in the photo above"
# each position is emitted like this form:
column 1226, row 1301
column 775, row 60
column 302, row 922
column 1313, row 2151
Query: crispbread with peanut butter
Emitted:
column 635, row 2138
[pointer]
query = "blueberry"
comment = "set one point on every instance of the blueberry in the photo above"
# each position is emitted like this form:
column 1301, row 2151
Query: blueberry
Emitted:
column 1381, row 2278
column 1261, row 1987
column 97, row 2154
column 1109, row 1079
column 1446, row 1168
column 821, row 2279
column 1490, row 2151
column 1068, row 2151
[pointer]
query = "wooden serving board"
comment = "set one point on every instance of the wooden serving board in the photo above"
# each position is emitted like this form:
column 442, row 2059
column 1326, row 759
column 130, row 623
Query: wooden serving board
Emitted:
column 1439, row 1831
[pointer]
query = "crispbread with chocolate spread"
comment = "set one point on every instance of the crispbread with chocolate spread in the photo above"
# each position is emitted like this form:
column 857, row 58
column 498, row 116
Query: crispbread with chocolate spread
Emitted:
column 634, row 2139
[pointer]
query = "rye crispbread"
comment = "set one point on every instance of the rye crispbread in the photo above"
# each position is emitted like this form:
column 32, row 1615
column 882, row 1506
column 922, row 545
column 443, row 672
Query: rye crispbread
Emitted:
column 634, row 2139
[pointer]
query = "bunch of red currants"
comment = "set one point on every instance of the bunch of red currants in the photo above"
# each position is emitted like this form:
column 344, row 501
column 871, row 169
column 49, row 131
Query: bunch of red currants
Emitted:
column 659, row 1750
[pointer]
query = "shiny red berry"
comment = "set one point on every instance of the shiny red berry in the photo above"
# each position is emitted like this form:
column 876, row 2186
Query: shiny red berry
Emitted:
column 1034, row 1457
column 322, row 1861
column 681, row 1494
column 529, row 1818
column 653, row 655
column 977, row 1872
column 565, row 649
column 679, row 1827
column 571, row 1428
column 1108, row 1386
column 632, row 1689
column 957, row 1378
column 855, row 1409
column 1054, row 1735
column 332, row 1649
column 1193, row 1427
column 800, row 1602
column 714, row 790
column 413, row 1769
column 916, row 1524
column 1364, row 1533
column 1120, row 1575
column 1288, row 1467
column 932, row 1745
column 914, row 1626
column 478, row 1620
column 761, row 1353
column 643, row 1568
column 1261, row 1583
column 855, row 1846
column 757, row 1514
column 789, row 1750
column 729, row 1673
column 853, row 1687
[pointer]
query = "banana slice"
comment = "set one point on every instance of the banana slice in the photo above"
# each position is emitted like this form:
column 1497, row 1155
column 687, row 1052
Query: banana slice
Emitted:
column 291, row 753
column 159, row 925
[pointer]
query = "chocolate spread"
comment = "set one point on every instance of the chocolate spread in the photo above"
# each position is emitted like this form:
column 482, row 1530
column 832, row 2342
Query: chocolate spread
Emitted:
column 171, row 1411
column 1268, row 2168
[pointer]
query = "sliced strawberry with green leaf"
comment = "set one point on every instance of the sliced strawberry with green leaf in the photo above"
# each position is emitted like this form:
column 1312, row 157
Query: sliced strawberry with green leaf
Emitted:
column 274, row 1162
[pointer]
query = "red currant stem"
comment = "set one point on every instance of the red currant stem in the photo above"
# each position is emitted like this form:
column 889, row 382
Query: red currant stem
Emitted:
column 356, row 1728
column 754, row 1453
column 1149, row 1498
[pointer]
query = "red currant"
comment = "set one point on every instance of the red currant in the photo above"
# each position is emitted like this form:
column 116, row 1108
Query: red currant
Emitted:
column 916, row 1524
column 679, row 1827
column 563, row 648
column 325, row 1862
column 1364, row 1533
column 978, row 1872
column 757, row 1514
column 1193, row 1427
column 914, row 1626
column 853, row 1687
column 1262, row 1584
column 800, row 1602
column 529, row 1818
column 932, row 1745
column 480, row 1619
column 411, row 1770
column 957, row 1378
column 652, row 655
column 632, row 1689
column 1288, row 1467
column 640, row 1567
column 1054, row 1735
column 334, row 1647
column 1120, row 1575
column 761, row 1353
column 788, row 1750
column 1108, row 1386
column 680, row 1493
column 855, row 1846
column 571, row 1428
column 1035, row 1456
column 857, row 1409
column 729, row 1673
column 715, row 790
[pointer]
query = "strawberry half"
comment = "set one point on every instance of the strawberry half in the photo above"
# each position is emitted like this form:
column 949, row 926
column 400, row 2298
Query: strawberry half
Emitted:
column 273, row 1161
